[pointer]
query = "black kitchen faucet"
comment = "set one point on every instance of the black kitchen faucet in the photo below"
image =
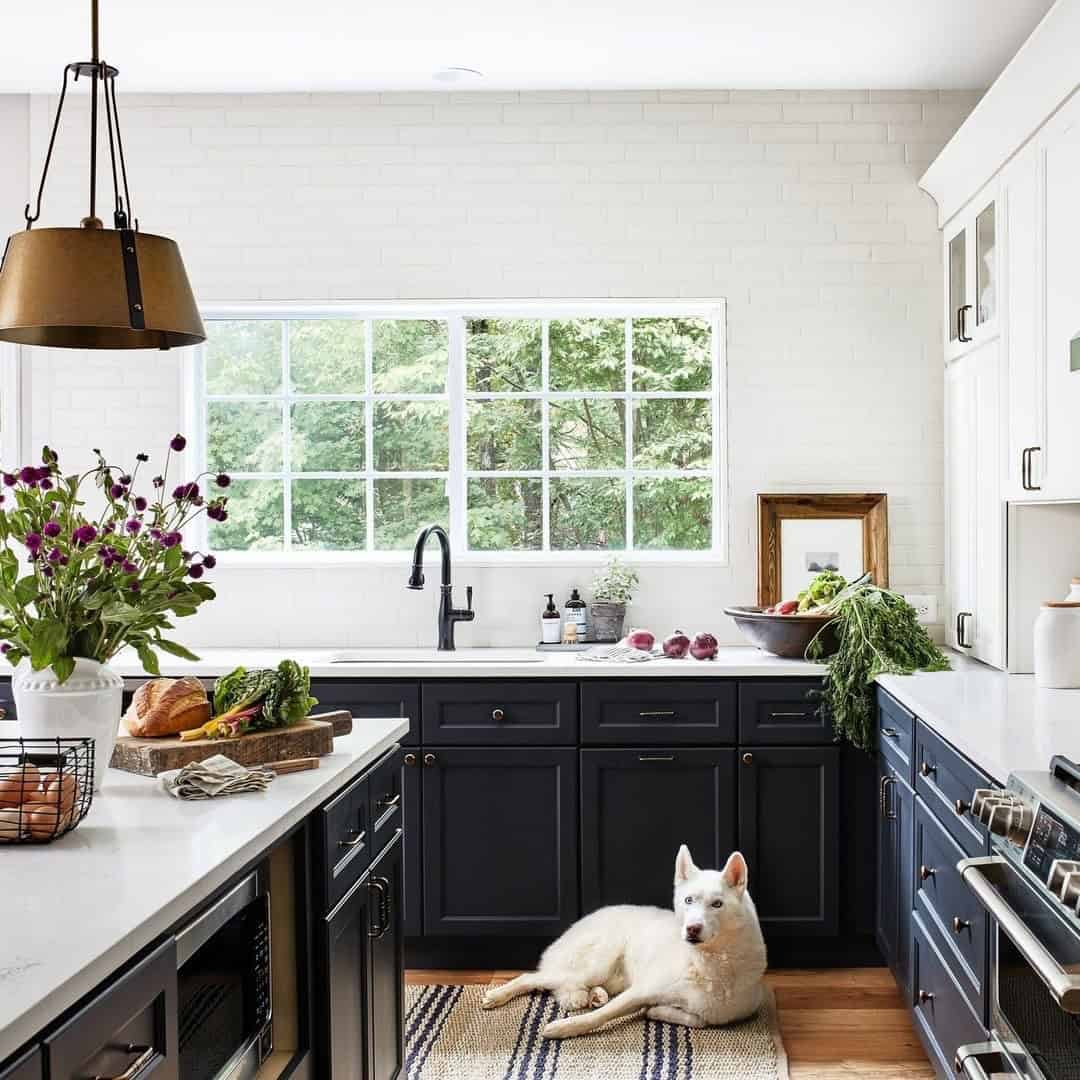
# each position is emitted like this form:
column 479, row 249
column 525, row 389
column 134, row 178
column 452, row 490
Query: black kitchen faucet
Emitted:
column 448, row 614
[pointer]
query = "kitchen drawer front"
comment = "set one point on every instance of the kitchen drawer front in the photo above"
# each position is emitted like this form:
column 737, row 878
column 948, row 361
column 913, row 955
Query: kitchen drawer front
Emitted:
column 946, row 782
column 945, row 903
column 653, row 712
column 135, row 1016
column 347, row 842
column 896, row 735
column 489, row 713
column 783, row 713
column 29, row 1067
column 385, row 797
column 942, row 1013
column 373, row 700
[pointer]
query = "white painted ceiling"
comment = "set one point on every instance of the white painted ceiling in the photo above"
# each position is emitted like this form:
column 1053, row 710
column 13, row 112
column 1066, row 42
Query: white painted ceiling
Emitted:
column 260, row 45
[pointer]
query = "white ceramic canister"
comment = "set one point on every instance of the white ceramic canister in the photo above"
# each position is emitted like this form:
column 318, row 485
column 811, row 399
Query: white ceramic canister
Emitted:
column 1057, row 645
column 87, row 705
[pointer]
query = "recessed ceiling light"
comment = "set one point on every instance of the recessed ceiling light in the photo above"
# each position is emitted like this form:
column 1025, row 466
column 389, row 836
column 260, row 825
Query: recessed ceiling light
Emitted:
column 457, row 74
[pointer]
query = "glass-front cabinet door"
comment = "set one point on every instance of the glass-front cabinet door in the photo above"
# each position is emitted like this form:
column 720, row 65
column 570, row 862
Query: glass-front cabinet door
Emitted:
column 971, row 276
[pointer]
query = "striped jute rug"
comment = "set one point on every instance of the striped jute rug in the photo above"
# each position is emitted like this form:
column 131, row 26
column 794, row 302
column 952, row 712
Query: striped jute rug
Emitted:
column 449, row 1037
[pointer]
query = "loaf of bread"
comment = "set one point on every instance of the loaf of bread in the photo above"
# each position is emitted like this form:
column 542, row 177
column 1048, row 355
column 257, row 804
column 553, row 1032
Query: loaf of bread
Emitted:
column 167, row 706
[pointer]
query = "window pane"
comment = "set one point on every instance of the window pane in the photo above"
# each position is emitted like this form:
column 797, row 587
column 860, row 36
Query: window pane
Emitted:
column 504, row 434
column 410, row 356
column 328, row 515
column 672, row 354
column 505, row 515
column 328, row 436
column 403, row 507
column 673, row 515
column 244, row 436
column 243, row 356
column 673, row 433
column 588, row 514
column 256, row 520
column 502, row 354
column 326, row 356
column 587, row 354
column 411, row 436
column 588, row 434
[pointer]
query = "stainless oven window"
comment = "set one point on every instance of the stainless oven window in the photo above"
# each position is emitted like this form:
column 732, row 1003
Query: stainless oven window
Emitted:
column 1030, row 1023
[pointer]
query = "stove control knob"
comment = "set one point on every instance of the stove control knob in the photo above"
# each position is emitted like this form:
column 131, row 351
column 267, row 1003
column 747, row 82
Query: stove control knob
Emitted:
column 1010, row 819
column 984, row 800
column 1064, row 880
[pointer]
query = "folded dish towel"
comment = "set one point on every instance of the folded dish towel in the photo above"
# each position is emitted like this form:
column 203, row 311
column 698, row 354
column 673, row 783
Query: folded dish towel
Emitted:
column 215, row 776
column 619, row 653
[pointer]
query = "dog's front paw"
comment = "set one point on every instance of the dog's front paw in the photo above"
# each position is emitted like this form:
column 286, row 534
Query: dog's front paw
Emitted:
column 598, row 996
column 558, row 1029
column 490, row 1000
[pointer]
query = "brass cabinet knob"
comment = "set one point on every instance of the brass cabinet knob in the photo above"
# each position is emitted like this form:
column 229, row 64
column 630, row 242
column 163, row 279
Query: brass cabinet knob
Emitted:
column 961, row 807
column 960, row 925
column 926, row 872
column 925, row 996
column 927, row 769
column 429, row 759
column 410, row 759
column 498, row 715
column 748, row 758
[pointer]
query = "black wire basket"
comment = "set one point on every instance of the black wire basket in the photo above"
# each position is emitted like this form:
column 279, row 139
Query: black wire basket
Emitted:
column 46, row 787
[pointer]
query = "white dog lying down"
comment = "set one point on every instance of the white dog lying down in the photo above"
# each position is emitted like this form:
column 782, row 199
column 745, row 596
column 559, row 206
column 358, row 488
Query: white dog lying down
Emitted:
column 700, row 966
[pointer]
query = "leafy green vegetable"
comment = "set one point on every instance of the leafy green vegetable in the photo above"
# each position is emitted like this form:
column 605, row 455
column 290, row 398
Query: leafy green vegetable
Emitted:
column 879, row 633
column 824, row 588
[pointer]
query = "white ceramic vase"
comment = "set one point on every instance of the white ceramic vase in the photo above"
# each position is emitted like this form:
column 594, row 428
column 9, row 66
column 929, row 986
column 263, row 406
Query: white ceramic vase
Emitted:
column 87, row 705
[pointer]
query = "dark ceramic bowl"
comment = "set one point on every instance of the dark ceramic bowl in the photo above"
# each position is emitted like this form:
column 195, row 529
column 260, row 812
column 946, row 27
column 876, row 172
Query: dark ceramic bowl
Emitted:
column 784, row 635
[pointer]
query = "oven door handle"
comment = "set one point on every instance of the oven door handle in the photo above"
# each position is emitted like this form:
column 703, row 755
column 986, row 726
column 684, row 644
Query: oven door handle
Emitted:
column 980, row 1061
column 980, row 875
column 200, row 930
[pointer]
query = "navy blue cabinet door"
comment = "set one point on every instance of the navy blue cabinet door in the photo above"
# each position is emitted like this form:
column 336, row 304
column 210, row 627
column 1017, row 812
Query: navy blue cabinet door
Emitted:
column 412, row 844
column 638, row 806
column 346, row 966
column 29, row 1067
column 789, row 831
column 500, row 840
column 387, row 967
column 895, row 872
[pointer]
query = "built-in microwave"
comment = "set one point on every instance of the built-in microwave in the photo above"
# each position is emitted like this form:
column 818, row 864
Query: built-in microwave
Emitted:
column 223, row 958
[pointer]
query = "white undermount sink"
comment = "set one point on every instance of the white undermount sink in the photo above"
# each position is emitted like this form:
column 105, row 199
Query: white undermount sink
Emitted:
column 433, row 656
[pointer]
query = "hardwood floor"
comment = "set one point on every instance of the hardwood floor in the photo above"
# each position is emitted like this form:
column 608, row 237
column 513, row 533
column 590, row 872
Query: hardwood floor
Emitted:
column 837, row 1024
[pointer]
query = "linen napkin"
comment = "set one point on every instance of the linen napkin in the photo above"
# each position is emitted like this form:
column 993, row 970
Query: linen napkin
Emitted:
column 213, row 777
column 619, row 653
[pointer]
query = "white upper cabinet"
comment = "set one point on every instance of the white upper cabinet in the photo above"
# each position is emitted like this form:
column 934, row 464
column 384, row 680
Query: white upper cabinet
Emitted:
column 972, row 276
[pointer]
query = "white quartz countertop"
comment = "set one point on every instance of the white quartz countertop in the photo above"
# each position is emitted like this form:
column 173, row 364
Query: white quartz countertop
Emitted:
column 1003, row 723
column 74, row 911
column 408, row 663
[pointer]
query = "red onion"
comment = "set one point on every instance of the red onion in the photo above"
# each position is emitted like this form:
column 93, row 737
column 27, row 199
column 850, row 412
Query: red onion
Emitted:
column 704, row 646
column 677, row 645
column 640, row 639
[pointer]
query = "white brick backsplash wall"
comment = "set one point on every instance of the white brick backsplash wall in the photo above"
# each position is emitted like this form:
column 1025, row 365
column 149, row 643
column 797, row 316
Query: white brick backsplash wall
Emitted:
column 801, row 208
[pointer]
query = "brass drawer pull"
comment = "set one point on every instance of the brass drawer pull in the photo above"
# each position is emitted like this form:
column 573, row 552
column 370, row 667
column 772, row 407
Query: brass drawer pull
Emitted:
column 925, row 997
column 789, row 715
column 890, row 733
column 498, row 715
column 388, row 802
column 927, row 769
column 656, row 757
column 356, row 841
column 926, row 872
column 656, row 712
column 146, row 1055
column 960, row 925
column 379, row 884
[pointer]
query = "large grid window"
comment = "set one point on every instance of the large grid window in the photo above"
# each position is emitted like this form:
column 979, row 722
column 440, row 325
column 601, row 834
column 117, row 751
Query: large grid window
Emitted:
column 562, row 428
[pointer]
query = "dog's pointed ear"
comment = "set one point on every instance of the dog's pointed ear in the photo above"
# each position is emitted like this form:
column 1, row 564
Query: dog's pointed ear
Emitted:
column 736, row 872
column 684, row 865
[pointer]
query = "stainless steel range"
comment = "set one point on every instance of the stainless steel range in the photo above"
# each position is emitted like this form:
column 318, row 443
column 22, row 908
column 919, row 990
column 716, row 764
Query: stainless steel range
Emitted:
column 1030, row 886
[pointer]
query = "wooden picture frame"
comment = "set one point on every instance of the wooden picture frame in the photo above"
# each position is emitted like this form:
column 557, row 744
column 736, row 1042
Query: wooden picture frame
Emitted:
column 773, row 510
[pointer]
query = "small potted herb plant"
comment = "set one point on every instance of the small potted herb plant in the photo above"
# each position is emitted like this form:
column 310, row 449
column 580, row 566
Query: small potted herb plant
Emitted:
column 612, row 589
column 77, row 585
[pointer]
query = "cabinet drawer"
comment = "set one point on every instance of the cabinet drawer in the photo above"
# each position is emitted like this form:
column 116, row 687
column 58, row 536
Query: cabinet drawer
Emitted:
column 29, row 1067
column 372, row 700
column 946, row 781
column 785, row 713
column 347, row 841
column 537, row 713
column 941, row 1011
column 134, row 1018
column 653, row 712
column 949, row 906
column 896, row 735
column 385, row 798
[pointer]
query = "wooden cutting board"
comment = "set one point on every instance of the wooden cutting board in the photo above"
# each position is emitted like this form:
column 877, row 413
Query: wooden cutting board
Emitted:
column 312, row 737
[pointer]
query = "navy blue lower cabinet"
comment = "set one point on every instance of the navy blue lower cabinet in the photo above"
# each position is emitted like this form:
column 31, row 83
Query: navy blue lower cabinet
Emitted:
column 783, row 712
column 638, row 806
column 895, row 811
column 372, row 700
column 28, row 1067
column 500, row 840
column 789, row 831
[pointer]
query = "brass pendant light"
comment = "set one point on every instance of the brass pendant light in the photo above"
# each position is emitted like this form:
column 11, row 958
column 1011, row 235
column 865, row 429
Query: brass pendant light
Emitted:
column 92, row 287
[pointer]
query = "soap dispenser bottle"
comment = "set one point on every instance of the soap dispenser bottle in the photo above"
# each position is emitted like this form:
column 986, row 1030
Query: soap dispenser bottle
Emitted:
column 575, row 612
column 550, row 622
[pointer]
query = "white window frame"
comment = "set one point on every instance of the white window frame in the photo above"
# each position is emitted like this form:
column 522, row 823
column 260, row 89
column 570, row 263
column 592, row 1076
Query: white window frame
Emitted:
column 458, row 397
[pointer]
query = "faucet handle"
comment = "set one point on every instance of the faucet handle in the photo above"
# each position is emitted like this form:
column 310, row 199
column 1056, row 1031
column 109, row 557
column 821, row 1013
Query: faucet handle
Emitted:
column 468, row 598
